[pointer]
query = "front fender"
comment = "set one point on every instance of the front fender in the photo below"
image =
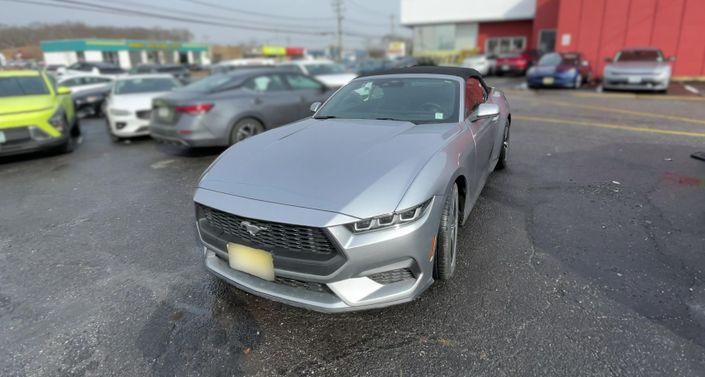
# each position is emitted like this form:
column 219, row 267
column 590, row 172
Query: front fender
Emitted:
column 436, row 178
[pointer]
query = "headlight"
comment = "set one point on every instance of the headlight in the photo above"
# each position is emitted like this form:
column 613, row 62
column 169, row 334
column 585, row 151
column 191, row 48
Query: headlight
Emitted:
column 58, row 120
column 571, row 71
column 118, row 112
column 531, row 71
column 92, row 99
column 400, row 217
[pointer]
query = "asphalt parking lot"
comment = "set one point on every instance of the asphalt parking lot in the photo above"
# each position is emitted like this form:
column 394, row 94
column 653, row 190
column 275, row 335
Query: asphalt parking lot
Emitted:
column 586, row 257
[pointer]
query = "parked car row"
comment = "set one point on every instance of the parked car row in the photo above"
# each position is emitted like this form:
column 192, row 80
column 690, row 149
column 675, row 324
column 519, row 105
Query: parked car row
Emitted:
column 644, row 69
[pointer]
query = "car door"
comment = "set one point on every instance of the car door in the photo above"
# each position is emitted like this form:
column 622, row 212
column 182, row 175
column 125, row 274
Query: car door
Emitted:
column 273, row 100
column 484, row 130
column 308, row 90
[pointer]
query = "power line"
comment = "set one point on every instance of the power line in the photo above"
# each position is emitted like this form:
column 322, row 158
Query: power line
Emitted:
column 191, row 19
column 368, row 10
column 97, row 8
column 253, row 13
column 207, row 15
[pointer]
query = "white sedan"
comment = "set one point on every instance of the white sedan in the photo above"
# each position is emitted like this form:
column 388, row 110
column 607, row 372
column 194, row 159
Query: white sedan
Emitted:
column 128, row 108
column 330, row 73
column 80, row 83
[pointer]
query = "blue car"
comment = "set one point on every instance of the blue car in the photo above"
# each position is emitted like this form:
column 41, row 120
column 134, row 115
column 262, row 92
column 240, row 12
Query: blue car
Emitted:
column 561, row 70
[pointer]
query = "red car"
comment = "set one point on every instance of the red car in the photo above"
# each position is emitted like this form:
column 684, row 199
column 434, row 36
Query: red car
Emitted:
column 517, row 62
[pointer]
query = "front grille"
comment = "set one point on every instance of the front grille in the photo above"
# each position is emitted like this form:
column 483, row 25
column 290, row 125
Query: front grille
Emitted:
column 16, row 135
column 393, row 276
column 272, row 235
column 144, row 114
column 308, row 285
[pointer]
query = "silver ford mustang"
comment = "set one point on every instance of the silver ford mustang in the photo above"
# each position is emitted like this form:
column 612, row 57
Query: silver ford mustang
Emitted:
column 357, row 207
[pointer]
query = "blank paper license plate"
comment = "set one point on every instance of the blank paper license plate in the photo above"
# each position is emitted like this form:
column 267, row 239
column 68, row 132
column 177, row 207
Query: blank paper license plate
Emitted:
column 252, row 261
column 548, row 81
column 633, row 79
column 2, row 137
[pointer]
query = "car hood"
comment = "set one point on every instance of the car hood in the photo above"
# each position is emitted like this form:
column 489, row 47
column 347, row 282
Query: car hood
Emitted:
column 25, row 104
column 134, row 101
column 360, row 168
column 336, row 80
column 645, row 67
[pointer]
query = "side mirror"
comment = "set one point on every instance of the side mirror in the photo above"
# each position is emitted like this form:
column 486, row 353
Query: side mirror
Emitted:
column 63, row 90
column 315, row 106
column 671, row 58
column 585, row 63
column 487, row 110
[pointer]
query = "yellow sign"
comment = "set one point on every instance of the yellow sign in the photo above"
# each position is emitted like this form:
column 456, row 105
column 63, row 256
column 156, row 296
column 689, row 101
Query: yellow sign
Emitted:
column 273, row 51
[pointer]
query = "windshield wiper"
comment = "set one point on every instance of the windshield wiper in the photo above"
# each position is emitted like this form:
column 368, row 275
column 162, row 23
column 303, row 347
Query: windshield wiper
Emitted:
column 325, row 117
column 395, row 119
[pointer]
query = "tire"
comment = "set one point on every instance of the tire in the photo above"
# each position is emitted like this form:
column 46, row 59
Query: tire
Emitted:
column 578, row 81
column 504, row 154
column 113, row 138
column 245, row 128
column 70, row 144
column 447, row 246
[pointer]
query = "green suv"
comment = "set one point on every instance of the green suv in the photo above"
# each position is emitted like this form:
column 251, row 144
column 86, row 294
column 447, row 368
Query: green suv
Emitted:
column 35, row 114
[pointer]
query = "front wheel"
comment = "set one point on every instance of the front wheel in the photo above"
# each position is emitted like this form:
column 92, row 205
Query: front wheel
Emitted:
column 578, row 81
column 447, row 245
column 504, row 153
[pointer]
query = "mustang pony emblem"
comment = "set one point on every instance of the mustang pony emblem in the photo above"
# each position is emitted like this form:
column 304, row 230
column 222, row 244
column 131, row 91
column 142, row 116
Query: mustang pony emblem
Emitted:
column 252, row 229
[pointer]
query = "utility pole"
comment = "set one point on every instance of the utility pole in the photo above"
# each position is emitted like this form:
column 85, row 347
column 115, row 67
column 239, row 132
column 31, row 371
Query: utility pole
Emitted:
column 391, row 24
column 338, row 8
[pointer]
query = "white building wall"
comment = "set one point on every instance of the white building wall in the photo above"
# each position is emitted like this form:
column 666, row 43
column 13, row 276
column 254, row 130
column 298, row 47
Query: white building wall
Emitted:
column 190, row 57
column 414, row 12
column 124, row 58
column 93, row 56
column 205, row 58
column 65, row 58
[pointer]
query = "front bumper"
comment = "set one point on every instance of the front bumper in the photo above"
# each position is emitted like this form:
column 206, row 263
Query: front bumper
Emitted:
column 555, row 80
column 378, row 268
column 635, row 82
column 28, row 144
column 128, row 125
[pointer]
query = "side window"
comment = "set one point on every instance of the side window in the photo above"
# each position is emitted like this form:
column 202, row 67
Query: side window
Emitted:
column 268, row 83
column 70, row 82
column 474, row 95
column 301, row 82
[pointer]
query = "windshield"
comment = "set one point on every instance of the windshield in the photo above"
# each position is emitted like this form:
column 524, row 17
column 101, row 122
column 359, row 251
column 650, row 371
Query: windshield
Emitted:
column 324, row 69
column 145, row 85
column 22, row 86
column 550, row 60
column 418, row 100
column 639, row 56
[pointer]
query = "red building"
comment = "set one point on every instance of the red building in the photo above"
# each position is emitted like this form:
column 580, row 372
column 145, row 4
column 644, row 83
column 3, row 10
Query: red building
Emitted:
column 597, row 28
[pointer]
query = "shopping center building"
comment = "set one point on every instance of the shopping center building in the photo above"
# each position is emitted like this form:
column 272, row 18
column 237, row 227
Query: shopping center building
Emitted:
column 597, row 28
column 125, row 53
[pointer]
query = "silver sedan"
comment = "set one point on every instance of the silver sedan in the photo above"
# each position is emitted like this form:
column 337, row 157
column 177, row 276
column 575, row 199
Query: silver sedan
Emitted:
column 638, row 69
column 357, row 207
column 226, row 108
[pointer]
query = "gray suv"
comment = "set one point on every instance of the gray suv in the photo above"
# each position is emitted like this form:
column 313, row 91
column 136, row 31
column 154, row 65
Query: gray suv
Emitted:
column 223, row 109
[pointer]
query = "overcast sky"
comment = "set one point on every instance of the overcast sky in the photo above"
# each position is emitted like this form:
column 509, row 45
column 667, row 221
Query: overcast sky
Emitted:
column 293, row 17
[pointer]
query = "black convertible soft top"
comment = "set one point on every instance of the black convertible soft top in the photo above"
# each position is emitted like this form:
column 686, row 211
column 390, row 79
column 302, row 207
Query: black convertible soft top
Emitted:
column 464, row 73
